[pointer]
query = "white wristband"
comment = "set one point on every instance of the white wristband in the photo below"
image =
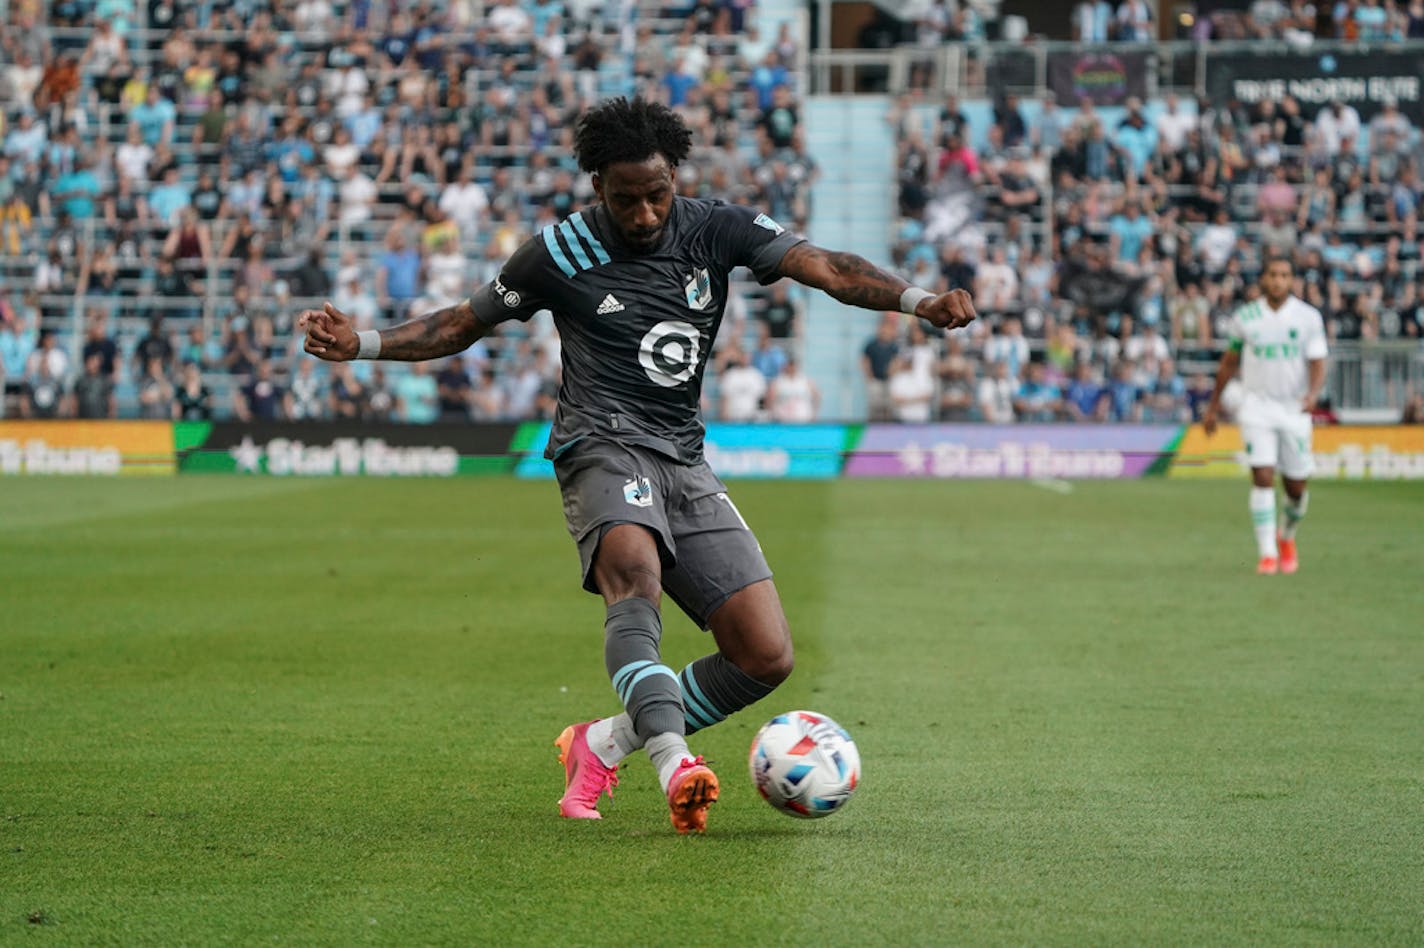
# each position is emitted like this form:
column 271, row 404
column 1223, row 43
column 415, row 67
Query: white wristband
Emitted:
column 911, row 298
column 368, row 344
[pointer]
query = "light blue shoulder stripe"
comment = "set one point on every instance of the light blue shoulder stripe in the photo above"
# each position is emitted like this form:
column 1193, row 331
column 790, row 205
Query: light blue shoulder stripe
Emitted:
column 556, row 251
column 582, row 227
column 580, row 257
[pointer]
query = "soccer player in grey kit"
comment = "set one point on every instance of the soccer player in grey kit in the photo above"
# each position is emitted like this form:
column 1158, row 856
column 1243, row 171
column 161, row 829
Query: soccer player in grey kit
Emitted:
column 637, row 284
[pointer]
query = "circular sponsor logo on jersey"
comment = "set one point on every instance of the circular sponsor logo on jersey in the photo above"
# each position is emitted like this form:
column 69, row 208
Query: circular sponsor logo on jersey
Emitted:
column 511, row 299
column 669, row 351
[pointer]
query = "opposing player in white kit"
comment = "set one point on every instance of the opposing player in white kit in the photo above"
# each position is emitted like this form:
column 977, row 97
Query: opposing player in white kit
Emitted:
column 1279, row 346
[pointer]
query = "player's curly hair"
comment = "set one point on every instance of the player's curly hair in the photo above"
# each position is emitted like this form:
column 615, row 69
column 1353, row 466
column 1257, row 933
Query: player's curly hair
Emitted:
column 620, row 130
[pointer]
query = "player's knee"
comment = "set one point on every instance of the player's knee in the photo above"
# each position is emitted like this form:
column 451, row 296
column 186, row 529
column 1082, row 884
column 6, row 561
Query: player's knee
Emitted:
column 778, row 668
column 631, row 580
column 772, row 656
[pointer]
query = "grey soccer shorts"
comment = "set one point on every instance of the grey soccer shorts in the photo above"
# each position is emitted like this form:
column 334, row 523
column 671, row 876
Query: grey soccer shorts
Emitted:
column 708, row 551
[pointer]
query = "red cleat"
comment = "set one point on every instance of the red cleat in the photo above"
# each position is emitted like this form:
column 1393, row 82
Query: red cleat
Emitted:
column 1267, row 566
column 1289, row 563
column 691, row 791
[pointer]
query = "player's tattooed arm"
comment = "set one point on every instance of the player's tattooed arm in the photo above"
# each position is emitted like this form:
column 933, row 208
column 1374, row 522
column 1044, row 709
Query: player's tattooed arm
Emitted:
column 331, row 334
column 855, row 281
column 440, row 333
column 846, row 277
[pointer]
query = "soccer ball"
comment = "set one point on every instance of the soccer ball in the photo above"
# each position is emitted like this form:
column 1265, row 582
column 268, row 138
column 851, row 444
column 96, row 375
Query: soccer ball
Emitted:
column 804, row 764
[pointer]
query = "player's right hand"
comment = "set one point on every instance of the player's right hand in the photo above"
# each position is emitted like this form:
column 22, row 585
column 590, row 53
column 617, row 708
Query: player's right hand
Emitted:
column 330, row 334
column 951, row 310
column 1209, row 420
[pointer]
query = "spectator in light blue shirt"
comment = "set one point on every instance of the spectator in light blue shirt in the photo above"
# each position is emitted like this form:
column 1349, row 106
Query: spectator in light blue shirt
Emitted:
column 1037, row 399
column 26, row 141
column 316, row 190
column 170, row 197
column 364, row 124
column 154, row 116
column 766, row 77
column 1136, row 137
column 1124, row 395
column 677, row 83
column 1085, row 401
column 78, row 190
column 1129, row 230
column 18, row 338
column 768, row 358
column 291, row 151
column 417, row 396
column 397, row 274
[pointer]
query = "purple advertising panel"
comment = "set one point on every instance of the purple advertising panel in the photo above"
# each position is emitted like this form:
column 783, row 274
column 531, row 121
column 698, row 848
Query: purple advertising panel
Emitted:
column 1067, row 452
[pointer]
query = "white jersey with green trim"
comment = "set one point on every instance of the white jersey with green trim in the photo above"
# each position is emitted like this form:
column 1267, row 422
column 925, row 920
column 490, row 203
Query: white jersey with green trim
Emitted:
column 1275, row 346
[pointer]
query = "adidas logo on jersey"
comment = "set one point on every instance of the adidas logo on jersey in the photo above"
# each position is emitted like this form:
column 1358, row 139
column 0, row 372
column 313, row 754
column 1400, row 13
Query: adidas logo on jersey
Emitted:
column 610, row 304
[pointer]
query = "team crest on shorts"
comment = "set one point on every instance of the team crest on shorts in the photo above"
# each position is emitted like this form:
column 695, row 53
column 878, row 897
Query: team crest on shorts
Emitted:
column 638, row 491
column 699, row 289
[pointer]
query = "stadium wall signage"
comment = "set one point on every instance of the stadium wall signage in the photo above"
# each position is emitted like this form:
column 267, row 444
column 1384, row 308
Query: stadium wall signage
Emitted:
column 736, row 451
column 343, row 449
column 1107, row 78
column 1342, row 452
column 86, row 447
column 948, row 451
column 1066, row 452
column 1364, row 80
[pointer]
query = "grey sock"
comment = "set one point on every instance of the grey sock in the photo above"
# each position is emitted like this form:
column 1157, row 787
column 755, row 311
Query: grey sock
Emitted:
column 713, row 687
column 648, row 688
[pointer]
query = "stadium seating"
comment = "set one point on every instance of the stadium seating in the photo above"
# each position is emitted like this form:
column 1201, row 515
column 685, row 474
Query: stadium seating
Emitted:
column 457, row 132
column 285, row 153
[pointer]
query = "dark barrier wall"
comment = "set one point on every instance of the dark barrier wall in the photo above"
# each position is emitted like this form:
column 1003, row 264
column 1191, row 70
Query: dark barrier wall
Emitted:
column 1364, row 80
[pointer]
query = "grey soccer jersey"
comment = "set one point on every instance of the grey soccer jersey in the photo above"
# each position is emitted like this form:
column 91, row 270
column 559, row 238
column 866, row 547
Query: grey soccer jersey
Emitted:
column 636, row 328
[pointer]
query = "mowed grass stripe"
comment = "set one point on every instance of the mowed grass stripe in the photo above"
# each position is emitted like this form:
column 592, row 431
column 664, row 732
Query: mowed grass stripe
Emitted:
column 1126, row 719
column 322, row 714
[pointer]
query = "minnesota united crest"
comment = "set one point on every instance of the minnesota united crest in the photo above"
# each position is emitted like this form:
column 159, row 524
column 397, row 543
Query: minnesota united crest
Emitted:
column 699, row 289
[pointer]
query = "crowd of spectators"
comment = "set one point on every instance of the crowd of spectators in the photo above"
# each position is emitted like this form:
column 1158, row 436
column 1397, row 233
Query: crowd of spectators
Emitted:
column 1300, row 22
column 177, row 180
column 1108, row 255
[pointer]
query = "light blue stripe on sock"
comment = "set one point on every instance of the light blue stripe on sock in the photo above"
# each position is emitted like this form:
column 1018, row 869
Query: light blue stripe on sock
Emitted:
column 692, row 716
column 581, row 226
column 580, row 257
column 697, row 699
column 556, row 251
column 627, row 692
column 692, row 712
column 622, row 674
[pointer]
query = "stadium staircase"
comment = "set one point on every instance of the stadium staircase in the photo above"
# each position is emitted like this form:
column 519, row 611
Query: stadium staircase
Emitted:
column 853, row 201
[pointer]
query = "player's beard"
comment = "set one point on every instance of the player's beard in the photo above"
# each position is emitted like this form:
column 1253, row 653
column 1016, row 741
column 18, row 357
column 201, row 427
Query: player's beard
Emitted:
column 644, row 239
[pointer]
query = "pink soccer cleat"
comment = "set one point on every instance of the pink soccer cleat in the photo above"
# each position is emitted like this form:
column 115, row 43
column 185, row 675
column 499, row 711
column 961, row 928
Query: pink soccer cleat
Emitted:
column 586, row 778
column 691, row 791
column 1267, row 566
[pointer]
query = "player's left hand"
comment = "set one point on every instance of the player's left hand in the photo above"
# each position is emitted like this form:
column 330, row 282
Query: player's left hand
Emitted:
column 951, row 310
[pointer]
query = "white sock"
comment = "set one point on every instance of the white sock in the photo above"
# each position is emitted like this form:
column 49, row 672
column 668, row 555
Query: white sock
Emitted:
column 667, row 751
column 623, row 734
column 612, row 739
column 1293, row 513
column 1263, row 518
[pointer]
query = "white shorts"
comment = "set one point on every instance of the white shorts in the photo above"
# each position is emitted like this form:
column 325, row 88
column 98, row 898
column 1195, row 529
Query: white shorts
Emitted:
column 1276, row 434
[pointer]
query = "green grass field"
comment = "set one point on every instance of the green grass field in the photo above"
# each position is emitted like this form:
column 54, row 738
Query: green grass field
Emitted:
column 321, row 712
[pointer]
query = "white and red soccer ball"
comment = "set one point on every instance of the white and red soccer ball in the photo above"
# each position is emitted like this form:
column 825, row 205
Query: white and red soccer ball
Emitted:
column 804, row 764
